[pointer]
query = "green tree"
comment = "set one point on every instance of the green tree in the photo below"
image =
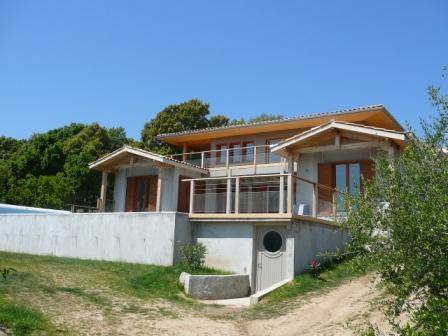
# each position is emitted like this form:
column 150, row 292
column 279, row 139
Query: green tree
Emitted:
column 400, row 223
column 185, row 116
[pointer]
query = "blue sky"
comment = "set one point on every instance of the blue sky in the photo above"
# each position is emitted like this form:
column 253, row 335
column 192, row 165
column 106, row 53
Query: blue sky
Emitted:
column 120, row 62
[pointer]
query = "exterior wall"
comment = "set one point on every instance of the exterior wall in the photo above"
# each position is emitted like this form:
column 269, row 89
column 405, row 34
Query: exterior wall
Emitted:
column 229, row 245
column 170, row 185
column 148, row 238
column 311, row 238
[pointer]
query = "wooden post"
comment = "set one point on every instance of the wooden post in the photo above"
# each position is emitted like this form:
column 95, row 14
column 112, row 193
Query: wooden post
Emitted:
column 160, row 188
column 103, row 192
column 337, row 140
column 184, row 151
column 237, row 195
column 333, row 199
column 229, row 195
column 203, row 160
column 315, row 191
column 289, row 196
column 255, row 159
column 191, row 196
column 281, row 196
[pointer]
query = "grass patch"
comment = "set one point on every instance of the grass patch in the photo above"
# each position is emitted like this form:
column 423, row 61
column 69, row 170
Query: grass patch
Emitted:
column 279, row 301
column 22, row 320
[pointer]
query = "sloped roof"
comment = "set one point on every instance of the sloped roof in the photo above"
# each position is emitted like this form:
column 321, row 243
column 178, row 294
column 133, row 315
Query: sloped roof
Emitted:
column 108, row 159
column 173, row 137
column 378, row 132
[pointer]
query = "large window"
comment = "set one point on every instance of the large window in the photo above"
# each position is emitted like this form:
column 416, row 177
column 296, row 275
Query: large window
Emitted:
column 347, row 179
column 271, row 157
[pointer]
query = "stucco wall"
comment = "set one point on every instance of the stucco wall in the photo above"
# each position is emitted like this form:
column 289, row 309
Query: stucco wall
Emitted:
column 170, row 185
column 229, row 245
column 310, row 239
column 148, row 238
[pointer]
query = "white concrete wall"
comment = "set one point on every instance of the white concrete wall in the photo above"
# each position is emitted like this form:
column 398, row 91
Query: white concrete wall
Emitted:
column 148, row 238
column 229, row 245
column 311, row 238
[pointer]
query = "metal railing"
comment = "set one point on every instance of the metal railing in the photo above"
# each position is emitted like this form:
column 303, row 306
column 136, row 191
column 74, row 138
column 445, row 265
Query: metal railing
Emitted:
column 76, row 208
column 264, row 194
column 234, row 156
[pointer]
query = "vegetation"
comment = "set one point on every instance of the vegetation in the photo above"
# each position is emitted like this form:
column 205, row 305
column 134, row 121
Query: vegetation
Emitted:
column 194, row 255
column 406, row 237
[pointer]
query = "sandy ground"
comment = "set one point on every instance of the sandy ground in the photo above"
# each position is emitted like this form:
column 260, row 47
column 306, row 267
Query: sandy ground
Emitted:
column 340, row 312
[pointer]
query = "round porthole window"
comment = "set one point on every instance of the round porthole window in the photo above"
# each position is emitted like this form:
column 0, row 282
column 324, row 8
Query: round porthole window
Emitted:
column 272, row 241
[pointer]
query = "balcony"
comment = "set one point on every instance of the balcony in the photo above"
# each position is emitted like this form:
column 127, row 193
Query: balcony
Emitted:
column 263, row 196
column 229, row 157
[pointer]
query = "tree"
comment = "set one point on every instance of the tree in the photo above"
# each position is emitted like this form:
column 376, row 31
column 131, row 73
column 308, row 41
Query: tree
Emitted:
column 185, row 116
column 400, row 223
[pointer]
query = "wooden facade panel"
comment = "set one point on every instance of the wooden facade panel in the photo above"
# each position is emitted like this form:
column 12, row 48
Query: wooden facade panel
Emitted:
column 141, row 193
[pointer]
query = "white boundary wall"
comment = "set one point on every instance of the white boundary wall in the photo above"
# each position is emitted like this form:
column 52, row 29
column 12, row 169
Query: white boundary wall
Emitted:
column 148, row 238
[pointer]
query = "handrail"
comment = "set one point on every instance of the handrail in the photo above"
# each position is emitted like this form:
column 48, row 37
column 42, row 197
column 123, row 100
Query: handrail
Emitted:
column 218, row 150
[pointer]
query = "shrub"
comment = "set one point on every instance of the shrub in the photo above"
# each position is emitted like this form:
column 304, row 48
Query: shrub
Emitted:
column 194, row 255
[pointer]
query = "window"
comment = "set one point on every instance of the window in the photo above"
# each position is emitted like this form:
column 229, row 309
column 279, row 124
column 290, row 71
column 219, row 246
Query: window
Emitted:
column 221, row 154
column 272, row 241
column 271, row 157
column 248, row 151
column 235, row 153
column 347, row 179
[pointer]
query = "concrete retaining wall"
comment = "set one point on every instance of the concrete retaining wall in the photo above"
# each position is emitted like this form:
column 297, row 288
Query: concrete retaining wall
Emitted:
column 311, row 238
column 148, row 238
column 216, row 287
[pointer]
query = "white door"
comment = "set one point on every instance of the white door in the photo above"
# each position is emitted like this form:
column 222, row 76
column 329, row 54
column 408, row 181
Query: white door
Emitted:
column 271, row 255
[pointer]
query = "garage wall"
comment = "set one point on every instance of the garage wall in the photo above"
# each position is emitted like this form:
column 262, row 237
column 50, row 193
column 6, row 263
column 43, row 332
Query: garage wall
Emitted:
column 148, row 238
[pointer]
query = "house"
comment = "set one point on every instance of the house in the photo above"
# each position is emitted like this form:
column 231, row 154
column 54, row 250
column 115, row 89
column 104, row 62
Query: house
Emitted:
column 264, row 198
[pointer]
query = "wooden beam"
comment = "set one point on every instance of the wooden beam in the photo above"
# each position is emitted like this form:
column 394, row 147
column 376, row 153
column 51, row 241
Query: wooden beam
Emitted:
column 237, row 195
column 329, row 148
column 184, row 151
column 229, row 196
column 289, row 195
column 160, row 177
column 103, row 192
column 191, row 197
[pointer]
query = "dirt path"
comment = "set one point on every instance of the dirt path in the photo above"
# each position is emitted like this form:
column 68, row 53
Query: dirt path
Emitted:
column 336, row 313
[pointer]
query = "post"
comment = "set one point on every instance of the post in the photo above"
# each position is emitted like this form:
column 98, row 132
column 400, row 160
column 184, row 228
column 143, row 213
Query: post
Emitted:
column 160, row 188
column 255, row 159
column 103, row 192
column 227, row 159
column 191, row 196
column 229, row 195
column 202, row 159
column 333, row 199
column 289, row 196
column 184, row 151
column 237, row 195
column 281, row 196
column 315, row 191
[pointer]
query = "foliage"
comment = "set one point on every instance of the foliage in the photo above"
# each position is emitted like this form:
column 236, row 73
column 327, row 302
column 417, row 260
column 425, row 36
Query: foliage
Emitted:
column 51, row 169
column 5, row 271
column 314, row 268
column 185, row 116
column 22, row 320
column 401, row 223
column 194, row 255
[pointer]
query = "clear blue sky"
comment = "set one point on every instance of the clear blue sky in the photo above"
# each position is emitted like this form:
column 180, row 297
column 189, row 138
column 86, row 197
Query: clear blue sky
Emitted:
column 120, row 62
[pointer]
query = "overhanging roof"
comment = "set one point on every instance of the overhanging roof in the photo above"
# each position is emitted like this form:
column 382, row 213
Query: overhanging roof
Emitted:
column 398, row 137
column 116, row 158
column 375, row 115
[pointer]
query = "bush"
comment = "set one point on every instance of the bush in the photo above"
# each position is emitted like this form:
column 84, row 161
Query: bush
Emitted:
column 194, row 255
column 400, row 223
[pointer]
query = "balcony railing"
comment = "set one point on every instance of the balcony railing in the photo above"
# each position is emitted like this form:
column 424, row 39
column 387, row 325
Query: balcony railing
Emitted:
column 235, row 156
column 283, row 194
